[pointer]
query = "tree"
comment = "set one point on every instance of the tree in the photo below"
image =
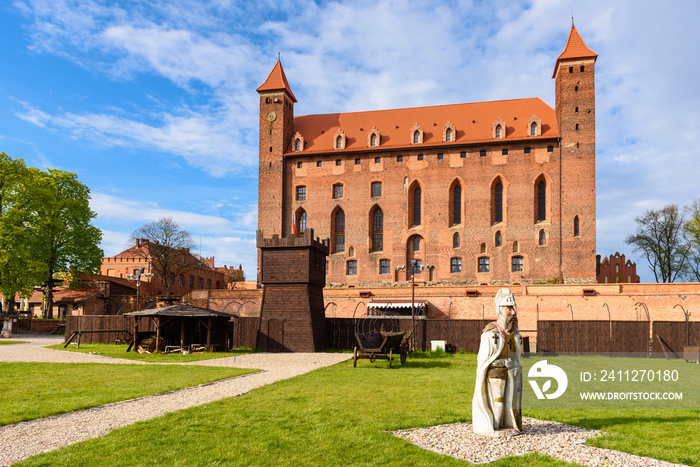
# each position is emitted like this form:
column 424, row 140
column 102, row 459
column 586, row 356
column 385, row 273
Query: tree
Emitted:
column 692, row 235
column 660, row 238
column 19, row 195
column 67, row 241
column 234, row 275
column 167, row 248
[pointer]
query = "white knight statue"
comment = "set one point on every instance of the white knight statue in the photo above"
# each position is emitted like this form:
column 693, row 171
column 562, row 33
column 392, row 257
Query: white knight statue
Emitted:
column 499, row 380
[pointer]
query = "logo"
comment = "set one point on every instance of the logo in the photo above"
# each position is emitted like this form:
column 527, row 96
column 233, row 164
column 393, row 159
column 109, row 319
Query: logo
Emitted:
column 542, row 369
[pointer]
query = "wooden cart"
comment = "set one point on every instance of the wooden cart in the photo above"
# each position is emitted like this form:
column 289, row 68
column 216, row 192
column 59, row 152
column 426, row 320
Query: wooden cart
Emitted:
column 380, row 338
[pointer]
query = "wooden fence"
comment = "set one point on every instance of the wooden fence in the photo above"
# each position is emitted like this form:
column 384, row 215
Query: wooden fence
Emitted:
column 104, row 322
column 600, row 337
column 676, row 335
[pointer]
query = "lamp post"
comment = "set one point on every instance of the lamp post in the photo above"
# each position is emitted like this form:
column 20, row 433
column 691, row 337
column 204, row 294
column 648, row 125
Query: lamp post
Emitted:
column 136, row 276
column 414, row 264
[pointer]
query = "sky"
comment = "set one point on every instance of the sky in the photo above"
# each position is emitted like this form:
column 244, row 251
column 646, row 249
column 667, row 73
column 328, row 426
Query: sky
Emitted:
column 153, row 103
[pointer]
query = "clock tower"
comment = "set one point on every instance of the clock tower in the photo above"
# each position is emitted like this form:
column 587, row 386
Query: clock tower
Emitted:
column 276, row 129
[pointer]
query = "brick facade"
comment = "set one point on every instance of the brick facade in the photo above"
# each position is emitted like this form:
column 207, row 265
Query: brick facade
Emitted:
column 616, row 269
column 496, row 192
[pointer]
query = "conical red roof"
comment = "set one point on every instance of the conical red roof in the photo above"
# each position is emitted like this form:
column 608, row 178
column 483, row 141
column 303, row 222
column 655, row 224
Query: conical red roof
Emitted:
column 277, row 81
column 575, row 49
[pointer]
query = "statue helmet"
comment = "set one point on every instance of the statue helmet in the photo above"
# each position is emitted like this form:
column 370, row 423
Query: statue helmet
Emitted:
column 504, row 298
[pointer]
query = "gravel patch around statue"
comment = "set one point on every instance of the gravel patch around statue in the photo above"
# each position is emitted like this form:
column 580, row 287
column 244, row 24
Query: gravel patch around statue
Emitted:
column 563, row 442
column 26, row 439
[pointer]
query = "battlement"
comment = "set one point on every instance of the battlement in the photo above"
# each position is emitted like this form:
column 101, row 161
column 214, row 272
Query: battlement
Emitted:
column 304, row 239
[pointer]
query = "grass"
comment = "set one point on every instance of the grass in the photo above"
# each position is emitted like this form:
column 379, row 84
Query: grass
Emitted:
column 36, row 390
column 342, row 415
column 119, row 351
column 3, row 342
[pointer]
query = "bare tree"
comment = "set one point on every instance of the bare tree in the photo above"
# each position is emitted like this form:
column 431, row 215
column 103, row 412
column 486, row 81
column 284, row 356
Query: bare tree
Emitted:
column 660, row 238
column 692, row 234
column 167, row 247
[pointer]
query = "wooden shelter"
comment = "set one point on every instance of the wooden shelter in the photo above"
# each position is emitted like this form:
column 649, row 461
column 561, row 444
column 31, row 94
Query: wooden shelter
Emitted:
column 183, row 326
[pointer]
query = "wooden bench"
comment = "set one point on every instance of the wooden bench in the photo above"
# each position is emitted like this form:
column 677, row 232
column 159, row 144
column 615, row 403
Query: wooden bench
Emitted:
column 79, row 334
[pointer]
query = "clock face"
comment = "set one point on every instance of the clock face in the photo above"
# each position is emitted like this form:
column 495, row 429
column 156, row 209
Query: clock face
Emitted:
column 271, row 116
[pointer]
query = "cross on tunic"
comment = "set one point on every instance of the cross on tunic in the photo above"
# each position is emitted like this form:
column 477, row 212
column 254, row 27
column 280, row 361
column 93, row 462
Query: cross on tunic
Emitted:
column 495, row 339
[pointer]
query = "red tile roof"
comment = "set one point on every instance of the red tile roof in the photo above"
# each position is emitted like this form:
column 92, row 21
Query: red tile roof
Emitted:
column 575, row 49
column 473, row 124
column 277, row 81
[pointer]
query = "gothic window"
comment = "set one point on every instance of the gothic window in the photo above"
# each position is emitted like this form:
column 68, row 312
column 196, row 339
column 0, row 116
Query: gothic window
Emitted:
column 414, row 205
column 499, row 239
column 373, row 140
column 497, row 203
column 301, row 220
column 541, row 201
column 483, row 248
column 448, row 134
column 416, row 137
column 499, row 130
column 337, row 191
column 339, row 142
column 543, row 237
column 297, row 145
column 516, row 247
column 517, row 264
column 456, row 204
column 455, row 264
column 416, row 243
column 455, row 240
column 377, row 229
column 338, row 231
column 533, row 129
column 376, row 189
column 576, row 227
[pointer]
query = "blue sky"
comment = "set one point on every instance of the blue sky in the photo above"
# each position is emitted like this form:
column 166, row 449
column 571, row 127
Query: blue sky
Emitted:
column 153, row 103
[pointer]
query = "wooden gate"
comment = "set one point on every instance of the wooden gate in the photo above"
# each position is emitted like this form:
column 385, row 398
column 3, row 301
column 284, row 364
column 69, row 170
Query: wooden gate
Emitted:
column 275, row 335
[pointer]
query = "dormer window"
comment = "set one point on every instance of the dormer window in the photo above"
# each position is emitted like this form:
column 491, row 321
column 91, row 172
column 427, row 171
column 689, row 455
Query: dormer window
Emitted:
column 534, row 126
column 374, row 138
column 298, row 145
column 449, row 134
column 416, row 134
column 498, row 129
column 339, row 140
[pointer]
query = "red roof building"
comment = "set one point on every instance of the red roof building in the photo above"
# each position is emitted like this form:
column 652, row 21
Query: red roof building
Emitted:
column 476, row 193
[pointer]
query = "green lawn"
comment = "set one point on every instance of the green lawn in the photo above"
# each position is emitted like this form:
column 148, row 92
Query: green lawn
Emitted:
column 4, row 342
column 119, row 351
column 341, row 416
column 36, row 390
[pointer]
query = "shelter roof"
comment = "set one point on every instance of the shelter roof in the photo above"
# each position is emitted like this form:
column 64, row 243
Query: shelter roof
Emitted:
column 473, row 124
column 277, row 81
column 397, row 304
column 183, row 311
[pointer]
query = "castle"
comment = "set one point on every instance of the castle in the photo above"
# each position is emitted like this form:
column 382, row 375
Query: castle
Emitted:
column 499, row 192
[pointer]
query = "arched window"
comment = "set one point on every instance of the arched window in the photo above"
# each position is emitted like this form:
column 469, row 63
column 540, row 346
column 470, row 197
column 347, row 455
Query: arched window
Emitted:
column 543, row 237
column 338, row 231
column 533, row 129
column 416, row 243
column 448, row 134
column 297, row 145
column 415, row 205
column 576, row 227
column 301, row 220
column 499, row 239
column 497, row 203
column 373, row 140
column 541, row 200
column 499, row 130
column 377, row 229
column 416, row 137
column 483, row 248
column 339, row 142
column 456, row 204
column 455, row 240
column 516, row 247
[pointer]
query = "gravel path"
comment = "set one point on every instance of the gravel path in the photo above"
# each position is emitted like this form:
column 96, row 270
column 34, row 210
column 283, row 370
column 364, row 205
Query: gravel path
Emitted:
column 26, row 439
column 564, row 442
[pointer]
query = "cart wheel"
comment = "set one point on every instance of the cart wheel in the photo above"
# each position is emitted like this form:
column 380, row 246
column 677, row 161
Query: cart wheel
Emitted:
column 403, row 357
column 354, row 359
column 372, row 358
column 390, row 357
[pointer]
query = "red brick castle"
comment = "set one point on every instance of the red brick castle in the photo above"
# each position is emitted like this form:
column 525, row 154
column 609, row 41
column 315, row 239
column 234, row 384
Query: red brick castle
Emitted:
column 481, row 193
